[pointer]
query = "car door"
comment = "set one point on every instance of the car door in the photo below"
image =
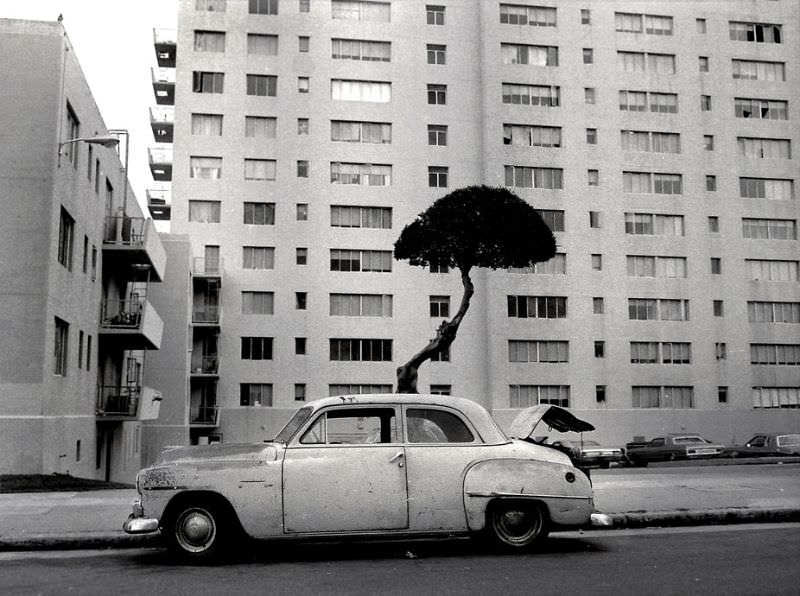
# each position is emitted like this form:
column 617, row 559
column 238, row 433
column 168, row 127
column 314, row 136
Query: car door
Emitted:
column 440, row 444
column 346, row 473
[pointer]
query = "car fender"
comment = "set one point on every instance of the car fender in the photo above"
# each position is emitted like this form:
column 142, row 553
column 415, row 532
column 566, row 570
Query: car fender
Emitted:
column 562, row 488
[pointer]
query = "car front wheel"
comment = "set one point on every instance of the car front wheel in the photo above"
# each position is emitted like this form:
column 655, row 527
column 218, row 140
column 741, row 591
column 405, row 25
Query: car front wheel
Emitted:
column 196, row 531
column 516, row 524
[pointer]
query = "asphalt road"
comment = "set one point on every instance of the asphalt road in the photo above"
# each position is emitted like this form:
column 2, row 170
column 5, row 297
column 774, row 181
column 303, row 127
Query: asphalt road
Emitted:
column 729, row 560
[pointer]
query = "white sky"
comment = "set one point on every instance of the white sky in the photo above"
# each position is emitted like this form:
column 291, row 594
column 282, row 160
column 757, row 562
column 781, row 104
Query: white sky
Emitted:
column 113, row 40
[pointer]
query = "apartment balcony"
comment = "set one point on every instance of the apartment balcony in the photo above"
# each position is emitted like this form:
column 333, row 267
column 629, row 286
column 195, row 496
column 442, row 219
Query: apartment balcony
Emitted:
column 164, row 85
column 166, row 45
column 206, row 315
column 133, row 324
column 162, row 121
column 207, row 416
column 205, row 366
column 159, row 202
column 207, row 268
column 133, row 242
column 160, row 160
column 127, row 402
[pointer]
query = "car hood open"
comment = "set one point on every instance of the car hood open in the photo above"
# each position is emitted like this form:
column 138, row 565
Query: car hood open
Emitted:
column 554, row 417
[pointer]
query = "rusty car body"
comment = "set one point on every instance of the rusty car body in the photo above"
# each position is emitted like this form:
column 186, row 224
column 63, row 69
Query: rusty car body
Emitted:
column 369, row 466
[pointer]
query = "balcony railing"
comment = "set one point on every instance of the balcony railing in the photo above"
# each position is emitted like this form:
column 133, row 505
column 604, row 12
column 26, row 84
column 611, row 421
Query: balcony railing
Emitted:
column 208, row 365
column 165, row 36
column 124, row 230
column 160, row 155
column 163, row 76
column 122, row 314
column 207, row 314
column 207, row 267
column 118, row 400
column 205, row 415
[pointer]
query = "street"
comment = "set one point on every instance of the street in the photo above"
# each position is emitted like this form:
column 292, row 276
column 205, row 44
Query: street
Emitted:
column 730, row 560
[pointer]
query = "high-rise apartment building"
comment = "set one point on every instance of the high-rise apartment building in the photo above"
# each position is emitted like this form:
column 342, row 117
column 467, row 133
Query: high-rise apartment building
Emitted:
column 77, row 259
column 656, row 138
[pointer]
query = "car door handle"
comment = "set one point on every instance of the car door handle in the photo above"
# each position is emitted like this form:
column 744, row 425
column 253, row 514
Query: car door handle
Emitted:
column 398, row 457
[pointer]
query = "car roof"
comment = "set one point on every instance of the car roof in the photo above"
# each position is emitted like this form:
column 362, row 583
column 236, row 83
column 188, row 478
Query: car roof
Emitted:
column 480, row 418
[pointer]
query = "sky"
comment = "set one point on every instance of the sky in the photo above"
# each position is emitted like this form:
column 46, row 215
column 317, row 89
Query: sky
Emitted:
column 113, row 40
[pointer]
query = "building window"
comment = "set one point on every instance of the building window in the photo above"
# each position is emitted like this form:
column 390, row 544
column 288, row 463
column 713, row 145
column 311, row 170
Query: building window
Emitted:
column 437, row 94
column 209, row 41
column 658, row 309
column 66, row 235
column 437, row 134
column 769, row 229
column 708, row 142
column 591, row 136
column 593, row 177
column 361, row 260
column 755, row 32
column 262, row 45
column 61, row 347
column 255, row 394
column 208, row 168
column 654, row 224
column 588, row 56
column 527, row 177
column 258, row 303
column 653, row 352
column 361, row 10
column 207, row 124
column 531, row 95
column 594, row 219
column 300, row 346
column 525, row 54
column 718, row 307
column 439, row 306
column 589, row 95
column 761, row 109
column 258, row 127
column 301, row 256
column 713, row 224
column 363, row 91
column 361, row 174
column 772, row 270
column 437, row 54
column 531, row 136
column 641, row 62
column 303, row 84
column 434, row 14
column 600, row 393
column 302, row 126
column 85, row 263
column 441, row 389
column 258, row 257
column 538, row 307
column 705, row 103
column 301, row 211
column 256, row 348
column 711, row 183
column 302, row 168
column 775, row 354
column 776, row 397
column 652, row 266
column 94, row 262
column 702, row 63
column 657, row 183
column 204, row 211
column 722, row 394
column 303, row 44
column 721, row 350
column 438, row 268
column 349, row 131
column 299, row 392
column 263, row 7
column 701, row 26
column 262, row 85
column 599, row 349
column 641, row 101
column 301, row 300
column 758, row 148
column 360, row 350
column 536, row 16
column 207, row 82
column 361, row 305
column 759, row 70
column 597, row 262
column 303, row 5
column 442, row 355
column 773, row 312
column 437, row 176
column 73, row 132
column 547, row 351
column 598, row 305
column 259, row 169
column 361, row 49
column 638, row 23
column 646, row 141
column 356, row 389
column 259, row 214
column 654, row 396
column 554, row 266
column 525, row 396
column 345, row 216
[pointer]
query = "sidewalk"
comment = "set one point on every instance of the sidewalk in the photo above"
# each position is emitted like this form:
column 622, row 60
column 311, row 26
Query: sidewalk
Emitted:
column 657, row 496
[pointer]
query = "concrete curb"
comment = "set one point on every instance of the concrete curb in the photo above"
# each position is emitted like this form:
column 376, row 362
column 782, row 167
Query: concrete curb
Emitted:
column 619, row 521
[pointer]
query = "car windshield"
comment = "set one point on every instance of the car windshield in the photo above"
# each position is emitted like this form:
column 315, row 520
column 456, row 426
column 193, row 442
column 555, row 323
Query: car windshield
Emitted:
column 789, row 440
column 291, row 427
column 679, row 440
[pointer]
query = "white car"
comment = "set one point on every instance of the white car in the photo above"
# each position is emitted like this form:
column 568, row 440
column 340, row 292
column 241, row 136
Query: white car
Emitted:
column 369, row 466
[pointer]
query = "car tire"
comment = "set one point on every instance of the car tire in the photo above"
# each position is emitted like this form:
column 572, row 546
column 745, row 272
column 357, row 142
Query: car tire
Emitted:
column 516, row 525
column 197, row 531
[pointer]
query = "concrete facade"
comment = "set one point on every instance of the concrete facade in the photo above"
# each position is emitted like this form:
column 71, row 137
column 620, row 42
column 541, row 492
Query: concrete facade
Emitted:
column 74, row 250
column 647, row 205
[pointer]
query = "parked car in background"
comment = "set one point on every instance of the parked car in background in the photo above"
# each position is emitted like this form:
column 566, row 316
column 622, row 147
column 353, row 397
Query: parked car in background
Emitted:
column 671, row 447
column 369, row 466
column 767, row 444
column 589, row 454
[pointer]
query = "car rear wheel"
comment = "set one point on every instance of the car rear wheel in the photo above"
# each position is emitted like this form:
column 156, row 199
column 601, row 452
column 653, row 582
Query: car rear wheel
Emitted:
column 516, row 524
column 197, row 531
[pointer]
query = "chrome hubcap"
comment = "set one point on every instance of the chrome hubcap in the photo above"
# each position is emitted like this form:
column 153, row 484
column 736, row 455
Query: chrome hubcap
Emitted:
column 196, row 530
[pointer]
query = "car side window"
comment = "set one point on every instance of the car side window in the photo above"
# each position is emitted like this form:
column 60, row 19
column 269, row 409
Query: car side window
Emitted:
column 427, row 425
column 353, row 426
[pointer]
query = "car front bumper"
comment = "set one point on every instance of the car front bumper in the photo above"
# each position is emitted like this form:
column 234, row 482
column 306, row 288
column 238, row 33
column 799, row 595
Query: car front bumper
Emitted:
column 137, row 523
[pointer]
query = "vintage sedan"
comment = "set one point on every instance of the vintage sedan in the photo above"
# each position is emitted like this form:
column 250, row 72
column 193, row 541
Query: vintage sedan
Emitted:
column 369, row 466
column 767, row 444
column 589, row 454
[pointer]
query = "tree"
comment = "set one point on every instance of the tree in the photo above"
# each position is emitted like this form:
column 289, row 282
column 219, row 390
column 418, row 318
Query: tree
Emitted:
column 475, row 226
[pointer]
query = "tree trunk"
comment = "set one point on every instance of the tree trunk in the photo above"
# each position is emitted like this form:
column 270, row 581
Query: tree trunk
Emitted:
column 407, row 373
